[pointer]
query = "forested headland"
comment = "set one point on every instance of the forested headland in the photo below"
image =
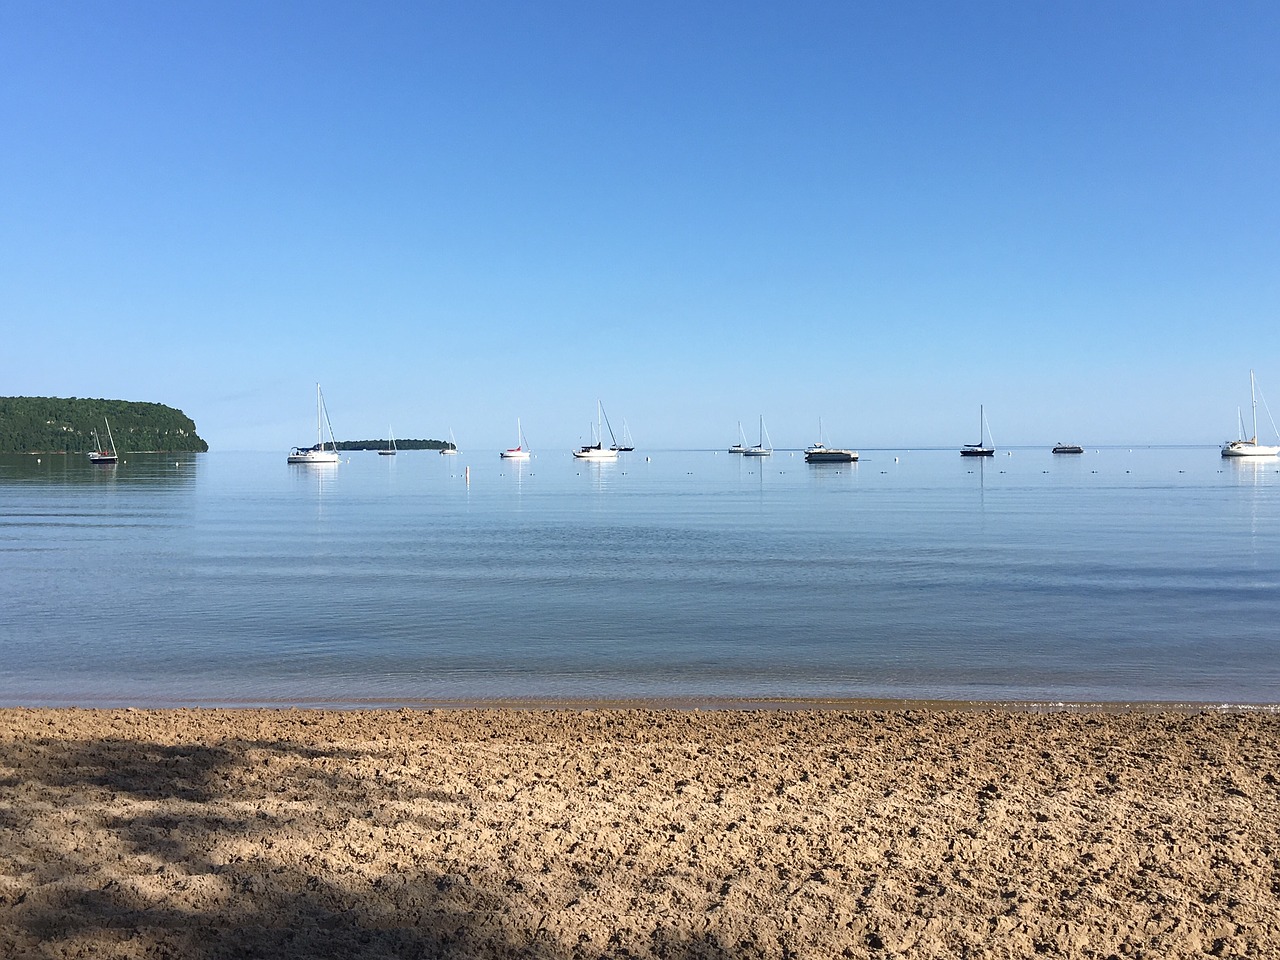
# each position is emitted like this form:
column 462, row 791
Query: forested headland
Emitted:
column 400, row 444
column 66, row 425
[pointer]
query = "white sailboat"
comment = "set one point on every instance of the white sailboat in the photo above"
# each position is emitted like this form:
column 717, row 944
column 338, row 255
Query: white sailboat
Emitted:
column 762, row 449
column 390, row 450
column 521, row 450
column 598, row 451
column 452, row 449
column 741, row 445
column 318, row 454
column 980, row 449
column 101, row 454
column 1251, row 447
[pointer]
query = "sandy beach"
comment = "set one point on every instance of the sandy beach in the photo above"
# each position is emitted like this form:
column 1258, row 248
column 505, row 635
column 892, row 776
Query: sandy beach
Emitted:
column 639, row 833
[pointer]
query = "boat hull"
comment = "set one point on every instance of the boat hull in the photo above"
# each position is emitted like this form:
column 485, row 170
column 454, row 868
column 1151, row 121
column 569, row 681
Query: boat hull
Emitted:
column 978, row 452
column 1068, row 448
column 1247, row 448
column 756, row 452
column 315, row 457
column 831, row 456
column 103, row 458
column 514, row 454
column 595, row 453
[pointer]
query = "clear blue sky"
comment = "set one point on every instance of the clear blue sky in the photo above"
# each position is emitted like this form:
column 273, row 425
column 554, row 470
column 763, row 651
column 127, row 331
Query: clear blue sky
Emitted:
column 456, row 214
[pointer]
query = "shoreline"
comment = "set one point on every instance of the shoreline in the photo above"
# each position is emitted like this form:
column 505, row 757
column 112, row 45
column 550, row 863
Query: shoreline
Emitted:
column 677, row 833
column 676, row 703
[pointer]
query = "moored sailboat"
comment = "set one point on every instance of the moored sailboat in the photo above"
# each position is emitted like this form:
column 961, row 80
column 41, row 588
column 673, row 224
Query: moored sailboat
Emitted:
column 101, row 454
column 321, row 453
column 1251, row 447
column 762, row 449
column 980, row 449
column 598, row 451
column 521, row 450
column 627, row 444
column 390, row 449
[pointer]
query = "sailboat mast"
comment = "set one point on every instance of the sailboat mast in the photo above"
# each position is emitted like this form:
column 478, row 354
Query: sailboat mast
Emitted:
column 323, row 410
column 612, row 439
column 1253, row 396
column 111, row 439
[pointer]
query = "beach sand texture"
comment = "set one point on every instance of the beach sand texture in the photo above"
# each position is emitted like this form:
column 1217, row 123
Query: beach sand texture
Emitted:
column 638, row 833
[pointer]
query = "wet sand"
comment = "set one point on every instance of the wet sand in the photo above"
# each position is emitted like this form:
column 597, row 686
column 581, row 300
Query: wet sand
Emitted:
column 639, row 833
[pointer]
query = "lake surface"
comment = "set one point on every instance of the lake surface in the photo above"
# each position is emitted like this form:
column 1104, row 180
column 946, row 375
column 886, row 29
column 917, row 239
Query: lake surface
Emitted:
column 233, row 579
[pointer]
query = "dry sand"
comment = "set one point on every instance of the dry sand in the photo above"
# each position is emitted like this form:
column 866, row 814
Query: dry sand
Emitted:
column 633, row 833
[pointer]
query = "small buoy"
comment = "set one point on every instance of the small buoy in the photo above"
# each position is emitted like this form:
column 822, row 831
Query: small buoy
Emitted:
column 37, row 459
column 895, row 459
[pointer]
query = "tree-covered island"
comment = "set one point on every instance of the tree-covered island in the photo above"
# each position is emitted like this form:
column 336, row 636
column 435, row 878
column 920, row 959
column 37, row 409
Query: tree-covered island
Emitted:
column 66, row 425
column 400, row 444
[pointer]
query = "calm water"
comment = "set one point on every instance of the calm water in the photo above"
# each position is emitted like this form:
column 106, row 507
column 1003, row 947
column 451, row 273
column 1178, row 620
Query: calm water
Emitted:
column 1119, row 575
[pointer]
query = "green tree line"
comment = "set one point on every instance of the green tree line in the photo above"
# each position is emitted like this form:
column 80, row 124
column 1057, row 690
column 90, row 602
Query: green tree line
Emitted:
column 67, row 424
column 400, row 444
